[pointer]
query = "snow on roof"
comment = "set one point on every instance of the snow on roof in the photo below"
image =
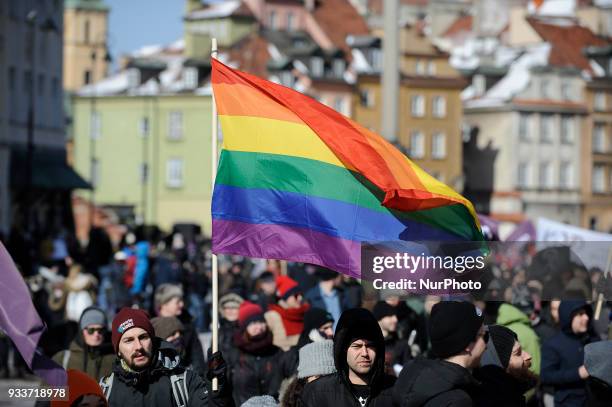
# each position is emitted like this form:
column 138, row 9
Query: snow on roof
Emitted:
column 475, row 50
column 516, row 80
column 360, row 63
column 215, row 10
column 603, row 3
column 554, row 8
column 597, row 69
column 107, row 86
column 148, row 50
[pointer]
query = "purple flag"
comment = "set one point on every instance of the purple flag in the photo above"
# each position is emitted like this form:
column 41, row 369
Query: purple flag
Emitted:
column 21, row 322
column 524, row 232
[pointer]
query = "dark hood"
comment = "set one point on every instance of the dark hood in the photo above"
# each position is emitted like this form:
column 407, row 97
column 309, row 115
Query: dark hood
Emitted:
column 567, row 309
column 359, row 323
column 423, row 379
column 165, row 361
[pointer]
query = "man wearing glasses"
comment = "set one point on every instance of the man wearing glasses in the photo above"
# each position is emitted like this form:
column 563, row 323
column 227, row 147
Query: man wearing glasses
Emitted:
column 90, row 352
column 458, row 340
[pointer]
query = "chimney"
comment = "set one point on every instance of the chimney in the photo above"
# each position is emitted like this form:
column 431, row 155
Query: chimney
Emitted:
column 390, row 71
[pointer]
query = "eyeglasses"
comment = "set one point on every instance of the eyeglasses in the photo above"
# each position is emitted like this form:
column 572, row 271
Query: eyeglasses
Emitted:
column 92, row 331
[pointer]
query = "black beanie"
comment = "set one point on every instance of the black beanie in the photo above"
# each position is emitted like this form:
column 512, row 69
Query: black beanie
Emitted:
column 453, row 325
column 503, row 339
column 382, row 309
column 314, row 318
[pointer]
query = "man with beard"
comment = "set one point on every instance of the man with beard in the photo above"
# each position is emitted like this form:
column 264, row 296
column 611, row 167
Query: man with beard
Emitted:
column 397, row 351
column 458, row 340
column 360, row 380
column 505, row 374
column 148, row 372
column 254, row 360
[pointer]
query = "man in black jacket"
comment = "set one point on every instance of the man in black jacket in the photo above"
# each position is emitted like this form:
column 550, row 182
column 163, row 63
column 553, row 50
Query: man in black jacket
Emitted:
column 148, row 372
column 360, row 381
column 504, row 373
column 458, row 340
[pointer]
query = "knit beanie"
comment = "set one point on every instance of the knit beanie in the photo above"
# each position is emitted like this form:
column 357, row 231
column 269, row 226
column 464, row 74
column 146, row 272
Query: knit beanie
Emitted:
column 249, row 312
column 260, row 401
column 315, row 318
column 286, row 287
column 166, row 326
column 92, row 316
column 127, row 319
column 165, row 293
column 502, row 339
column 230, row 300
column 453, row 325
column 382, row 309
column 316, row 359
column 597, row 360
column 80, row 384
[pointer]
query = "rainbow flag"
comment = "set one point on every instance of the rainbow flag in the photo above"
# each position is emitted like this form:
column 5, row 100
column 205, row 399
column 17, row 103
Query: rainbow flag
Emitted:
column 299, row 181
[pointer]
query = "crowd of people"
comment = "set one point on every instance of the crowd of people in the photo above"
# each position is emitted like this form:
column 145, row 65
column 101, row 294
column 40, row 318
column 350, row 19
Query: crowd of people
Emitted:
column 127, row 321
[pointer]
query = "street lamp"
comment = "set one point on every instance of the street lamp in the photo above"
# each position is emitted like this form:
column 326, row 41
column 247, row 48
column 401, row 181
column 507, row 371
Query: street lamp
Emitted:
column 48, row 25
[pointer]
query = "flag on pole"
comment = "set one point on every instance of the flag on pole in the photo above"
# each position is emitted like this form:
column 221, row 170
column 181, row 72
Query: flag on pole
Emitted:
column 20, row 321
column 299, row 181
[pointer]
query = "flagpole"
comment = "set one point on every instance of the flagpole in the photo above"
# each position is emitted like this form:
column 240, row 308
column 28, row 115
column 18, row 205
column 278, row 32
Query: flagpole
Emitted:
column 215, row 266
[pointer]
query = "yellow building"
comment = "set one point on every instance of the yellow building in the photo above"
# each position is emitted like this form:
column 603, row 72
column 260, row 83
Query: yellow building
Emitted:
column 85, row 42
column 430, row 111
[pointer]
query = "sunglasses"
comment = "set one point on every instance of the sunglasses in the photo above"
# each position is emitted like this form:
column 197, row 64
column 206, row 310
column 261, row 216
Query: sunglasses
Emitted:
column 92, row 331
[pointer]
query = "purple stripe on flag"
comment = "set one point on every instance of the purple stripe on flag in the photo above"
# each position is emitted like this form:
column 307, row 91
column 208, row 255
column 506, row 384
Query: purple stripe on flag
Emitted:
column 21, row 322
column 287, row 243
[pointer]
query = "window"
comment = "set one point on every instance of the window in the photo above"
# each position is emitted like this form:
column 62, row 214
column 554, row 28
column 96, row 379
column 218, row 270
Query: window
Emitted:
column 417, row 144
column 376, row 57
column 41, row 84
column 599, row 102
column 290, row 21
column 431, row 68
column 338, row 68
column 133, row 77
column 175, row 125
column 598, row 181
column 599, row 139
column 438, row 146
column 566, row 172
column 523, row 174
column 143, row 126
column 94, row 172
column 480, row 84
column 191, row 77
column 286, row 78
column 86, row 77
column 272, row 19
column 27, row 82
column 86, row 32
column 524, row 120
column 55, row 89
column 546, row 128
column 417, row 106
column 567, row 130
column 366, row 98
column 12, row 78
column 144, row 173
column 95, row 126
column 174, row 173
column 438, row 104
column 566, row 91
column 420, row 67
column 340, row 105
column 317, row 66
column 545, row 175
column 544, row 88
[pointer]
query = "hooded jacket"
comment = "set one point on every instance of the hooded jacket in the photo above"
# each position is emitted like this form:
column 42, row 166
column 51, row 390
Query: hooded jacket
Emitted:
column 434, row 383
column 152, row 386
column 563, row 354
column 93, row 361
column 512, row 318
column 336, row 390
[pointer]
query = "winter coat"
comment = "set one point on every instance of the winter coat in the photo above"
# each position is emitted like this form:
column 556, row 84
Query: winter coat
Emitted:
column 512, row 318
column 397, row 352
column 315, row 298
column 254, row 372
column 193, row 355
column 152, row 387
column 336, row 390
column 434, row 383
column 562, row 355
column 142, row 268
column 599, row 393
column 497, row 388
column 95, row 362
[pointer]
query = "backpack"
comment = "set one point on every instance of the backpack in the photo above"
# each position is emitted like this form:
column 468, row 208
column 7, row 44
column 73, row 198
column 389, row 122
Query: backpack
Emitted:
column 177, row 381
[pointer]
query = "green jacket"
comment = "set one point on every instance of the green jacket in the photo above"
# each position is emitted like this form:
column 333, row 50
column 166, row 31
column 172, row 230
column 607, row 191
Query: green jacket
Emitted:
column 512, row 318
column 96, row 363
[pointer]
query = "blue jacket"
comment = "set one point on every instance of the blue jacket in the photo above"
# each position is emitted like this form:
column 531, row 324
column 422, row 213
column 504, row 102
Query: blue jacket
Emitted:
column 142, row 268
column 563, row 354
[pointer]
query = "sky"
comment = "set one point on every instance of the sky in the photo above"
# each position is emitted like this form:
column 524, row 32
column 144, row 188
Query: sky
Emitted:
column 135, row 23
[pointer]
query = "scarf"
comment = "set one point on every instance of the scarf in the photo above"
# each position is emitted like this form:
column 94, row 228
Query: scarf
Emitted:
column 258, row 345
column 293, row 318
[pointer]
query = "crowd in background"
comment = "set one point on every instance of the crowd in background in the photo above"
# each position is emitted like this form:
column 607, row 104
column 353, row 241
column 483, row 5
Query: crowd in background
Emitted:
column 285, row 328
